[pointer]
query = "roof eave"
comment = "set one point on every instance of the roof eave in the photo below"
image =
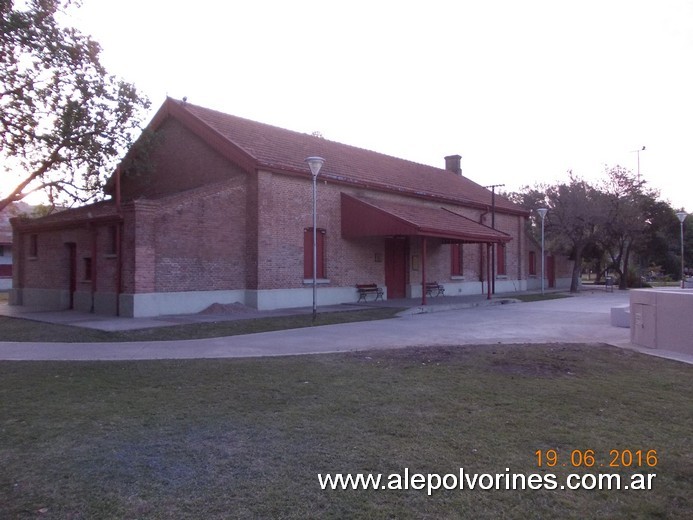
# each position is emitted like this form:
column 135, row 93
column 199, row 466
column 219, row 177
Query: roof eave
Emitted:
column 389, row 188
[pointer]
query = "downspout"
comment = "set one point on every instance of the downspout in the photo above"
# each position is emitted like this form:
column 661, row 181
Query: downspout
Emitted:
column 118, row 240
column 94, row 235
column 19, row 255
column 119, row 264
column 520, row 250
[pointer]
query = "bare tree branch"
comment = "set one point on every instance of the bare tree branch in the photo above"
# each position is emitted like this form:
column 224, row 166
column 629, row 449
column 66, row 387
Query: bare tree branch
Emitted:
column 63, row 120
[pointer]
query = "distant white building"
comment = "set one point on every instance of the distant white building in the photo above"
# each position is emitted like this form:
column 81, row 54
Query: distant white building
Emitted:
column 6, row 241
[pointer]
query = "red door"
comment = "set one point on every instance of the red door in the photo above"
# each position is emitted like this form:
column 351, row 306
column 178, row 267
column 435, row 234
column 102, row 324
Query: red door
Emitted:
column 72, row 258
column 396, row 267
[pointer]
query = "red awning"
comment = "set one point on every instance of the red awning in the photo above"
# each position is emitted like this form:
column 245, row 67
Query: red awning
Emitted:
column 363, row 217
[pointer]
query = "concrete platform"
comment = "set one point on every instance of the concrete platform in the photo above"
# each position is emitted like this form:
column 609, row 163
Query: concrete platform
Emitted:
column 240, row 312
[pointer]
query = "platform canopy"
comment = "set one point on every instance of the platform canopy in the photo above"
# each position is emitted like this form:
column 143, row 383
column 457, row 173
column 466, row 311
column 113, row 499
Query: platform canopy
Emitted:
column 366, row 217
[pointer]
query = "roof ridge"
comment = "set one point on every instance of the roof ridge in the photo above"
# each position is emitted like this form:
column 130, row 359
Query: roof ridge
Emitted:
column 305, row 134
column 283, row 151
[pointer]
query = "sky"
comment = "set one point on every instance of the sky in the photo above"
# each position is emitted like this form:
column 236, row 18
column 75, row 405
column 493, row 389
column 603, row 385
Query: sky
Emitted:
column 523, row 90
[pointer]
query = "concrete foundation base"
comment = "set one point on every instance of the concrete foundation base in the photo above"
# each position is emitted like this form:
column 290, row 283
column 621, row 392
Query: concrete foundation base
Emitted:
column 620, row 316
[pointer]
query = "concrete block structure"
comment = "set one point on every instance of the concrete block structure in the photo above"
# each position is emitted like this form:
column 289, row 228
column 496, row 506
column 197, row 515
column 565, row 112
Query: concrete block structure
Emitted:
column 661, row 319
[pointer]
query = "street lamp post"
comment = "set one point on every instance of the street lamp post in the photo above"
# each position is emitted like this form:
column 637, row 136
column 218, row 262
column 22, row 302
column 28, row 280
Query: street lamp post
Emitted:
column 315, row 163
column 682, row 217
column 638, row 152
column 542, row 214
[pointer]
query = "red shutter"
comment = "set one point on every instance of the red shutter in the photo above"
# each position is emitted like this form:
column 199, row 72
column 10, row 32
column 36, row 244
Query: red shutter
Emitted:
column 456, row 260
column 500, row 259
column 321, row 253
column 532, row 263
column 308, row 253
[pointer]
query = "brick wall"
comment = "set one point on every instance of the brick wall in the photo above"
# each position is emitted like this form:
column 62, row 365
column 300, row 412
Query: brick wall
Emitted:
column 50, row 267
column 178, row 161
column 186, row 223
column 200, row 240
column 285, row 210
column 563, row 266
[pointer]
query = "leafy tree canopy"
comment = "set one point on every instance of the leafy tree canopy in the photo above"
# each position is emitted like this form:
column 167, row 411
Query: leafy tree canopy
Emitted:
column 571, row 221
column 610, row 223
column 64, row 120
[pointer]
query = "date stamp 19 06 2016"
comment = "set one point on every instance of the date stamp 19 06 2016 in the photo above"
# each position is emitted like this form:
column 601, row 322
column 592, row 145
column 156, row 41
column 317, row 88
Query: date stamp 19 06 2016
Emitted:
column 589, row 458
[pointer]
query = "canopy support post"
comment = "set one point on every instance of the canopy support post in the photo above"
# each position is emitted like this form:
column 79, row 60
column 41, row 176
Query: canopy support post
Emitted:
column 489, row 247
column 423, row 270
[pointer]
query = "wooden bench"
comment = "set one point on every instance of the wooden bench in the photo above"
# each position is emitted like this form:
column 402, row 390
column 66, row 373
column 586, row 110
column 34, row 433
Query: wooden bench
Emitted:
column 365, row 289
column 434, row 287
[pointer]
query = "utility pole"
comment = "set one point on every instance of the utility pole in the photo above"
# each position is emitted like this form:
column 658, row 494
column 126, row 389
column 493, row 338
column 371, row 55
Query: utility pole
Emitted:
column 638, row 152
column 492, row 275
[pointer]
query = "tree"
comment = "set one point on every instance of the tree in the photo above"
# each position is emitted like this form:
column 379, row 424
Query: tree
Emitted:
column 571, row 222
column 63, row 120
column 654, row 249
column 624, row 206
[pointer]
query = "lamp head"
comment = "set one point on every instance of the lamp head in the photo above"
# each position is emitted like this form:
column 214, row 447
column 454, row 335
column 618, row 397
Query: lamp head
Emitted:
column 315, row 163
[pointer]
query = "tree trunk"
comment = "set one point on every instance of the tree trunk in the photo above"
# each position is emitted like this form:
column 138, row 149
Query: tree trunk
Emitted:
column 577, row 271
column 623, row 285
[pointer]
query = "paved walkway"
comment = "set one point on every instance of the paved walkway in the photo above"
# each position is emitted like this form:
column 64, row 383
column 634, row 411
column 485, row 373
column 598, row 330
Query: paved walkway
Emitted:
column 584, row 318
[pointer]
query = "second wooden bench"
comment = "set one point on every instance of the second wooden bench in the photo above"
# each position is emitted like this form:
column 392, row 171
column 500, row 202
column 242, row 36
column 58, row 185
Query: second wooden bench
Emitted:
column 434, row 287
column 365, row 289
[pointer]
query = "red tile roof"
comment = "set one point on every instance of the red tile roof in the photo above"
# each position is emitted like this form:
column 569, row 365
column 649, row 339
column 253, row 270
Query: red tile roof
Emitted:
column 73, row 217
column 13, row 210
column 268, row 147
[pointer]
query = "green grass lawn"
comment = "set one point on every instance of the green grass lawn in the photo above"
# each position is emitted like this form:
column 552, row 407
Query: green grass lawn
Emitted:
column 247, row 438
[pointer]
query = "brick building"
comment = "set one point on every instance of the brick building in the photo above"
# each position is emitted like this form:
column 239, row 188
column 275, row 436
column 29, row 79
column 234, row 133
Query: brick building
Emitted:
column 222, row 213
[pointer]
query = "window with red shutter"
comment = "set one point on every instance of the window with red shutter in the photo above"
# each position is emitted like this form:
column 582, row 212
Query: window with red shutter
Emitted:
column 308, row 253
column 500, row 260
column 456, row 260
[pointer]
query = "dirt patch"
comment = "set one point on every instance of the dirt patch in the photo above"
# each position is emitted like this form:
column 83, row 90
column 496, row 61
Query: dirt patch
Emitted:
column 543, row 370
column 228, row 308
column 412, row 355
column 546, row 361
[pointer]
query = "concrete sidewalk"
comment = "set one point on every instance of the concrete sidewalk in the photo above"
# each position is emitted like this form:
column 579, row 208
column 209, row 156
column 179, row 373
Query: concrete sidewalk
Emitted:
column 584, row 318
column 237, row 311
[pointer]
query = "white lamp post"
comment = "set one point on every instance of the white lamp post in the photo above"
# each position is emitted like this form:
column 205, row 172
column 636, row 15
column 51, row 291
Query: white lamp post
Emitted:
column 542, row 213
column 638, row 152
column 315, row 163
column 682, row 217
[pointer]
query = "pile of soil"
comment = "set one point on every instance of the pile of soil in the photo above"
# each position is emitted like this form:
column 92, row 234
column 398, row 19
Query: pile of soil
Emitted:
column 228, row 308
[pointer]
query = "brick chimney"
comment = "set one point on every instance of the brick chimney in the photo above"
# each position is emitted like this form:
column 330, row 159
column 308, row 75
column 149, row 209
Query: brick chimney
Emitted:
column 452, row 163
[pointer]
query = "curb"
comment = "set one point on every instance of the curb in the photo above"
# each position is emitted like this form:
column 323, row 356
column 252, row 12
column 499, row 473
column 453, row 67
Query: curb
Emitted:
column 427, row 309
